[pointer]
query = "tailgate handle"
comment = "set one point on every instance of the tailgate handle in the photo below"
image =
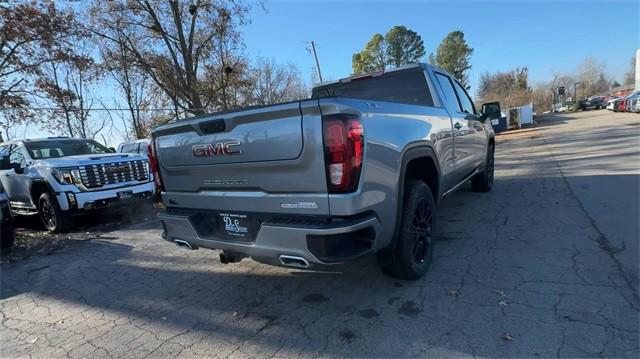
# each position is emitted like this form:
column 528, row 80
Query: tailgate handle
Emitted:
column 212, row 126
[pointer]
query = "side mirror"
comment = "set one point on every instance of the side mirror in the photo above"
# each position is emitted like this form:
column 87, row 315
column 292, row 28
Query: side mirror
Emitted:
column 17, row 168
column 491, row 110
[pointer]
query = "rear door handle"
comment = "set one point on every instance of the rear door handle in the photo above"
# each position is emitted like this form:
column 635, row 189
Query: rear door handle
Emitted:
column 457, row 126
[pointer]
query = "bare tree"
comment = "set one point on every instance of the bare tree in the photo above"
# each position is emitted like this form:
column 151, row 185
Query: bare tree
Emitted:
column 28, row 33
column 558, row 80
column 66, row 83
column 543, row 97
column 591, row 74
column 630, row 76
column 274, row 83
column 132, row 81
column 172, row 41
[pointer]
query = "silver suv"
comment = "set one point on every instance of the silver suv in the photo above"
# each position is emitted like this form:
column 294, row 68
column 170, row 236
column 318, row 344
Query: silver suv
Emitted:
column 57, row 177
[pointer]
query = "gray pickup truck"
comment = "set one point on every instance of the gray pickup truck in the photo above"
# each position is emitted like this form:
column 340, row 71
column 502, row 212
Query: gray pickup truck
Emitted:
column 358, row 169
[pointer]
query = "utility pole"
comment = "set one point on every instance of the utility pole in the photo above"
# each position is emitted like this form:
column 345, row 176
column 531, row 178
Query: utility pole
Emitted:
column 575, row 91
column 315, row 55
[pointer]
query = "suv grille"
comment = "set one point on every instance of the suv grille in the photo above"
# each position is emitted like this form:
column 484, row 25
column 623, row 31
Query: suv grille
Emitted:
column 111, row 173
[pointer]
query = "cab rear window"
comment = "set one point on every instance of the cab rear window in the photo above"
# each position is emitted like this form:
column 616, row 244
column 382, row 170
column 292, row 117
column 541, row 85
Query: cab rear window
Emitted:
column 404, row 86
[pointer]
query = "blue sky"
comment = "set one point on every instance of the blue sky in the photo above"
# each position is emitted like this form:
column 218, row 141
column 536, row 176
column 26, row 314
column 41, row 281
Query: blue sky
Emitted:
column 544, row 35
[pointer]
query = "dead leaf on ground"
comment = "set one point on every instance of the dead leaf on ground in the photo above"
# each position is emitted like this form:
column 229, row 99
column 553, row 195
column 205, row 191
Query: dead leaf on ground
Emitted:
column 503, row 303
column 452, row 292
column 500, row 293
column 506, row 336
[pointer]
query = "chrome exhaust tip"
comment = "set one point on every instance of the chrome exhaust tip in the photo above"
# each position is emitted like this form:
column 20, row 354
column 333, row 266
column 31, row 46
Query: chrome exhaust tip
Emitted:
column 293, row 261
column 183, row 244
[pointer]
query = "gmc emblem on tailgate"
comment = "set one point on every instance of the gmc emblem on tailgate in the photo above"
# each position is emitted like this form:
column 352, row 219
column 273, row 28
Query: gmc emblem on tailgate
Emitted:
column 218, row 149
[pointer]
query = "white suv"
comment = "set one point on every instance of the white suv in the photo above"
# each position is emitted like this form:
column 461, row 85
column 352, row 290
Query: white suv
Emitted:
column 57, row 177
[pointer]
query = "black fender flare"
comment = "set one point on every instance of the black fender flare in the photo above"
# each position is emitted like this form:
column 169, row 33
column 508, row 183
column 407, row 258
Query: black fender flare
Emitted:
column 409, row 155
column 39, row 182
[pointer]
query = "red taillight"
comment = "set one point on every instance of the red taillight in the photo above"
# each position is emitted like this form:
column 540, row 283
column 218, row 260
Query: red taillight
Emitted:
column 154, row 167
column 343, row 152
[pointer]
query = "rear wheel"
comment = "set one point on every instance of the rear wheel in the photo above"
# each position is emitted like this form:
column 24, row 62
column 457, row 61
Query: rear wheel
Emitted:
column 7, row 235
column 483, row 181
column 53, row 218
column 409, row 255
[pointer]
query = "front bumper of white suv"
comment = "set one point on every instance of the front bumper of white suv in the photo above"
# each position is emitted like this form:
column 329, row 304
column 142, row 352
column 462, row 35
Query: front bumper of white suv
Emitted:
column 106, row 198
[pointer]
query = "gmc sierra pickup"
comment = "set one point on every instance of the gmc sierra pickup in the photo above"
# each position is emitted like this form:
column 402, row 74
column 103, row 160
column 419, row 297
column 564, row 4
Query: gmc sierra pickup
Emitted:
column 358, row 169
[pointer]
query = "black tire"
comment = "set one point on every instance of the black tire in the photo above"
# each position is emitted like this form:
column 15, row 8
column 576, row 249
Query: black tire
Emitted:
column 7, row 236
column 409, row 254
column 53, row 218
column 483, row 181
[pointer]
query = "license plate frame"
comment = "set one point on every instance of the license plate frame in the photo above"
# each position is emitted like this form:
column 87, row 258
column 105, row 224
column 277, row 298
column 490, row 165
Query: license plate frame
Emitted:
column 236, row 226
column 125, row 195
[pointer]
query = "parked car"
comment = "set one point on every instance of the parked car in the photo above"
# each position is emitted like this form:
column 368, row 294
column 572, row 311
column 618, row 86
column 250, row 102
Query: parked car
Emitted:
column 617, row 103
column 622, row 107
column 7, row 232
column 631, row 101
column 611, row 103
column 636, row 106
column 580, row 105
column 59, row 177
column 137, row 146
column 356, row 170
column 597, row 102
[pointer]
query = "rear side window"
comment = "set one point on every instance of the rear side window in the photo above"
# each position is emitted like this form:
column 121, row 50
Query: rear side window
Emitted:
column 405, row 86
column 129, row 148
column 449, row 93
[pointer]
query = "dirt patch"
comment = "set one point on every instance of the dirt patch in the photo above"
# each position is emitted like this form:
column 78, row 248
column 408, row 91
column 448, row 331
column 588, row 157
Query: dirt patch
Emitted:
column 33, row 240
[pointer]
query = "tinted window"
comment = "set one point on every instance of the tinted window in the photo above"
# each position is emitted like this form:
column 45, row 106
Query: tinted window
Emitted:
column 63, row 148
column 405, row 86
column 465, row 101
column 449, row 93
column 129, row 148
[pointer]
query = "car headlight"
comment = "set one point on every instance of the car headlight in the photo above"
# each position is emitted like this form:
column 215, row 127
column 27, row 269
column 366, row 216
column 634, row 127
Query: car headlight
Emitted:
column 67, row 175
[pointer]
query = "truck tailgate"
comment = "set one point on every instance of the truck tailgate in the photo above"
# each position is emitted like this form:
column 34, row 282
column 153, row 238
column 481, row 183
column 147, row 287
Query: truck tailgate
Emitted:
column 272, row 134
column 263, row 159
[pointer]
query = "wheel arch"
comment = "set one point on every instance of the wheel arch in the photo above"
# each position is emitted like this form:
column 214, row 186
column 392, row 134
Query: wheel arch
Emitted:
column 37, row 189
column 412, row 160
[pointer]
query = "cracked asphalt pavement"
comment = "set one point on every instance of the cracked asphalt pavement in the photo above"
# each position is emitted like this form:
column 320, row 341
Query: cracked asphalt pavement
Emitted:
column 545, row 265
